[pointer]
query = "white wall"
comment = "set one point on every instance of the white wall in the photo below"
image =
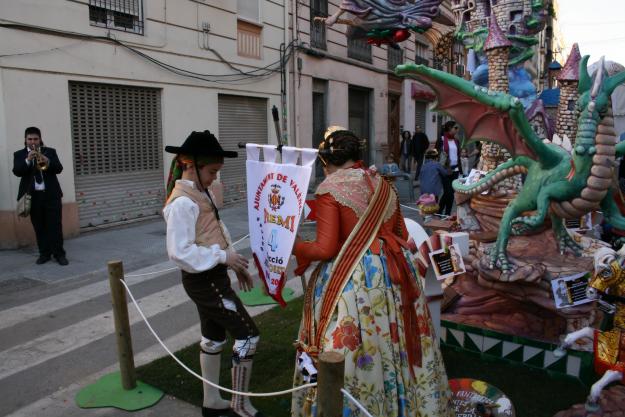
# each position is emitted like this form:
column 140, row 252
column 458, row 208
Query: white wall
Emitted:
column 42, row 100
column 6, row 162
column 35, row 79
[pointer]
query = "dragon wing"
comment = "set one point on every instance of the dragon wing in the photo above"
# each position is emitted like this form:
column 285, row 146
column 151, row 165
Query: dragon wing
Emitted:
column 485, row 115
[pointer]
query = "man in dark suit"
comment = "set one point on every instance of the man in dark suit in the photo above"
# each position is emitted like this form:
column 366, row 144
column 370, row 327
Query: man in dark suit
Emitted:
column 37, row 166
column 420, row 144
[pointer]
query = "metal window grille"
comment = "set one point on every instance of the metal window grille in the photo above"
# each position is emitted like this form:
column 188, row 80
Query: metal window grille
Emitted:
column 318, row 8
column 125, row 15
column 395, row 57
column 359, row 49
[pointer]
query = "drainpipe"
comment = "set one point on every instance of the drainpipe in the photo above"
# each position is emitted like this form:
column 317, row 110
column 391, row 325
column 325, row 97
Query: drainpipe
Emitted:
column 286, row 100
column 295, row 131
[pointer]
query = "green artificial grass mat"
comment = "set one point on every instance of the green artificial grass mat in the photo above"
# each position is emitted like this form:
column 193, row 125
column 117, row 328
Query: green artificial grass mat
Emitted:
column 108, row 392
column 257, row 297
column 534, row 392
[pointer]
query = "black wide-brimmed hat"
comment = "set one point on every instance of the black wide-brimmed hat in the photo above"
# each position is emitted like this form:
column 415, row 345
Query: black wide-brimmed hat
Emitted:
column 201, row 144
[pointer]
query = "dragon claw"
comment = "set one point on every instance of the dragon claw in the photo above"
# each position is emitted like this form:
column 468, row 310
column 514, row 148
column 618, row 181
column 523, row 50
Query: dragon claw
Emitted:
column 499, row 259
column 565, row 242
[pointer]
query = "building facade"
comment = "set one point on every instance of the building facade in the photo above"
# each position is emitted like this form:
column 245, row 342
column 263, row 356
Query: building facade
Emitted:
column 110, row 83
column 339, row 81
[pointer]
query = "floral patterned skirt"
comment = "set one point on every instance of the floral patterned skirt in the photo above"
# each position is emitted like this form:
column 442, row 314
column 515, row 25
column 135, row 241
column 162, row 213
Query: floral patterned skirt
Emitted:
column 367, row 328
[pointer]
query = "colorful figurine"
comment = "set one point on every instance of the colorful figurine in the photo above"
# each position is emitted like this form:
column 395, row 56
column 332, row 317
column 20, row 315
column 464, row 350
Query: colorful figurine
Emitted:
column 558, row 183
column 608, row 286
column 384, row 21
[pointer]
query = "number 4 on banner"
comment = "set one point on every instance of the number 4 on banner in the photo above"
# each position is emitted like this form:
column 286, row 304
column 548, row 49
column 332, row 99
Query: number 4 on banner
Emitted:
column 273, row 240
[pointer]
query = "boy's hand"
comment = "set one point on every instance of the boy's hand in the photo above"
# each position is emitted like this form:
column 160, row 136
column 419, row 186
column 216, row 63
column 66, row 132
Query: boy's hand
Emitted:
column 235, row 261
column 245, row 280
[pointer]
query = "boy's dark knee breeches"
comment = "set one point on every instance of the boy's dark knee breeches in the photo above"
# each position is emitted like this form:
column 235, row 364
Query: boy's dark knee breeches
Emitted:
column 219, row 307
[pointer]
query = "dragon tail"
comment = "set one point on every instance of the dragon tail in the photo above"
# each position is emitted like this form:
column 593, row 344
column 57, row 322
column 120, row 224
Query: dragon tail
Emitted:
column 507, row 169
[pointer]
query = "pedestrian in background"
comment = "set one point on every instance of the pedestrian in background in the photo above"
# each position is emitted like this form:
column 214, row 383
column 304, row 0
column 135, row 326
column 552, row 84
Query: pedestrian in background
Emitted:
column 37, row 166
column 449, row 146
column 405, row 151
column 432, row 175
column 420, row 144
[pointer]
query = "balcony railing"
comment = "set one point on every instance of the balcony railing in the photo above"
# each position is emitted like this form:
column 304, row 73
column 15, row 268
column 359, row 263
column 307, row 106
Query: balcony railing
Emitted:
column 317, row 29
column 421, row 61
column 359, row 49
column 395, row 58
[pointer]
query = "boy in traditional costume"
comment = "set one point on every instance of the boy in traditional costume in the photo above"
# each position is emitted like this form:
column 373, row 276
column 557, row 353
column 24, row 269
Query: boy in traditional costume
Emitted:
column 199, row 243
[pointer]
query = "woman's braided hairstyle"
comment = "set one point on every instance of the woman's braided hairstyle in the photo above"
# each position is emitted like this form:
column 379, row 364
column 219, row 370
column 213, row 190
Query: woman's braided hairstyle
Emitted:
column 339, row 146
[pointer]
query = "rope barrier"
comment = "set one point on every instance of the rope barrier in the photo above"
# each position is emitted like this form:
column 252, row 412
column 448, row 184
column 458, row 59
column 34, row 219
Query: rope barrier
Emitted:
column 175, row 267
column 443, row 216
column 241, row 240
column 409, row 208
column 212, row 384
column 151, row 273
column 355, row 401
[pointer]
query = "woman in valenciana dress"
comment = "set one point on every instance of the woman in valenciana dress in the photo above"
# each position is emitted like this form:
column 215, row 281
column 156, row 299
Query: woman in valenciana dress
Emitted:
column 365, row 298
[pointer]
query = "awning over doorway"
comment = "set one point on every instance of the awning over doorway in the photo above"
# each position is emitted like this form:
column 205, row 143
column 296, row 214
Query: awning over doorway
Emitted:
column 421, row 92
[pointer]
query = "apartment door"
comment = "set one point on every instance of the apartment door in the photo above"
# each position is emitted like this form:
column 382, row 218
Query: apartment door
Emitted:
column 319, row 125
column 393, row 125
column 359, row 111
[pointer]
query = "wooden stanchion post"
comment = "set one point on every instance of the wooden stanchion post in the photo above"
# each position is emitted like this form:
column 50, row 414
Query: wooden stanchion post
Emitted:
column 122, row 326
column 329, row 383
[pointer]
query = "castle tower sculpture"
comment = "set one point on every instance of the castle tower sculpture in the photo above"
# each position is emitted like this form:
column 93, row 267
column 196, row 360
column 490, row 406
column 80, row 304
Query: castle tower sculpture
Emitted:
column 497, row 50
column 566, row 121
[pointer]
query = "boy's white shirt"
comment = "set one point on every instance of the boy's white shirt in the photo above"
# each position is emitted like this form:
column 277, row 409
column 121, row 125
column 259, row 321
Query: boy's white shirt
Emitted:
column 181, row 216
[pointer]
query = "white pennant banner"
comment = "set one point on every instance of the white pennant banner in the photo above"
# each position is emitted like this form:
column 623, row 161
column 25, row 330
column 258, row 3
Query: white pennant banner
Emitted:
column 276, row 193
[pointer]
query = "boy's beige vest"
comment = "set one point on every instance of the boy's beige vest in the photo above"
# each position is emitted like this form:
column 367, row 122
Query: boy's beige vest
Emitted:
column 207, row 228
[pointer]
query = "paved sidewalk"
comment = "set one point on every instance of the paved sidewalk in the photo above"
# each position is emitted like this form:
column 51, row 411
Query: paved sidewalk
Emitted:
column 137, row 245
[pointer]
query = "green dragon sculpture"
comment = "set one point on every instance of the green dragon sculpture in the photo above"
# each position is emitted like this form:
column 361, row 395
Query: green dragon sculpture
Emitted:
column 558, row 183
